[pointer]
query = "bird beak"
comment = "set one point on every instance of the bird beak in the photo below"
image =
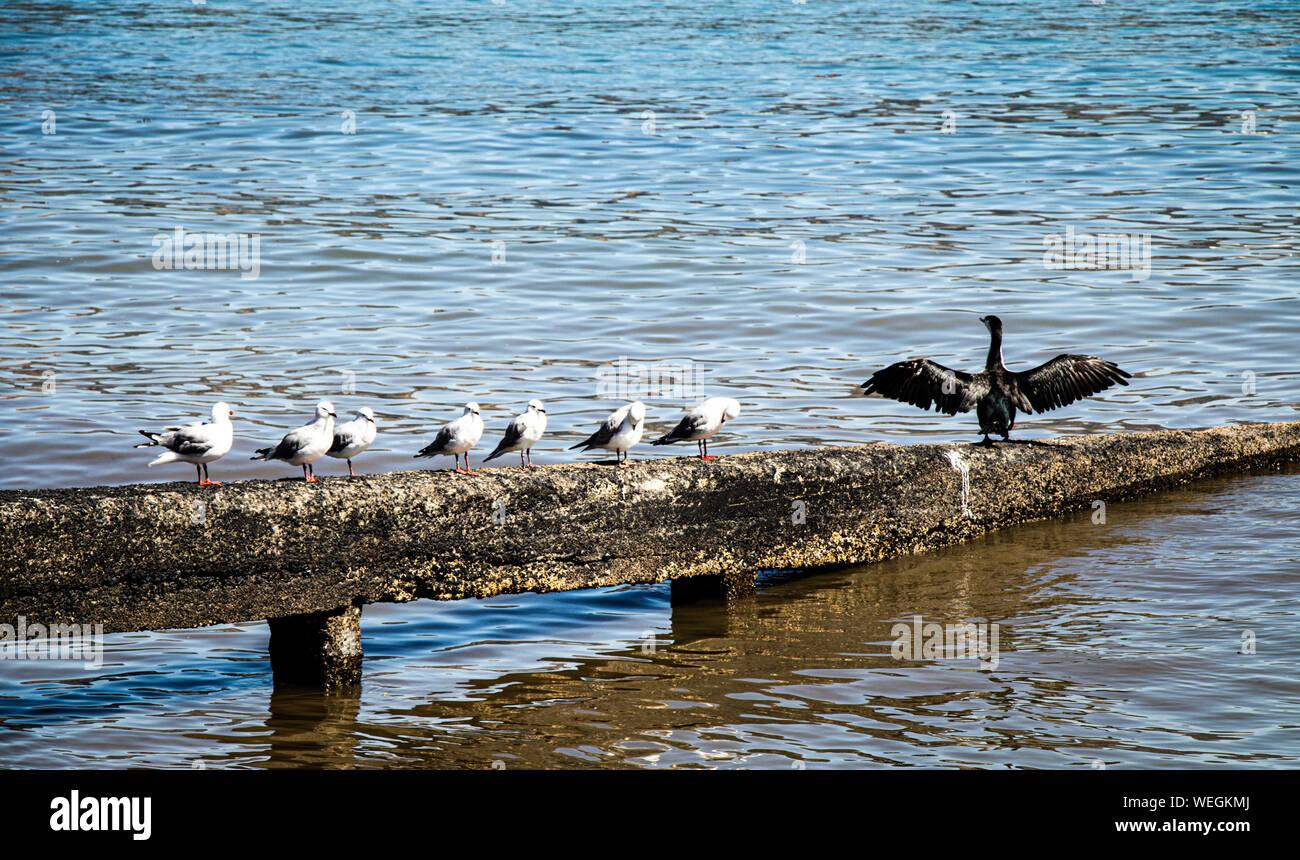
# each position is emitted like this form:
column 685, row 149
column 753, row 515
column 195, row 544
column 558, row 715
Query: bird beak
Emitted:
column 334, row 415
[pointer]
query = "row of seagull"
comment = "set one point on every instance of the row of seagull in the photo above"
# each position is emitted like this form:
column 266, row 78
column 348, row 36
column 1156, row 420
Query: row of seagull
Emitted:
column 202, row 442
column 995, row 394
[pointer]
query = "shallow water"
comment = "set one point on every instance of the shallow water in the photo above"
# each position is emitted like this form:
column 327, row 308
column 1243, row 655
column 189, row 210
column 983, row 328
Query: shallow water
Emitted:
column 788, row 218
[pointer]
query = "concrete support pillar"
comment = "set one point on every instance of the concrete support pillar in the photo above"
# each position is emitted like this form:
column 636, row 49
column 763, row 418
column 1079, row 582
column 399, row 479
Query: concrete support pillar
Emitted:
column 319, row 649
column 727, row 586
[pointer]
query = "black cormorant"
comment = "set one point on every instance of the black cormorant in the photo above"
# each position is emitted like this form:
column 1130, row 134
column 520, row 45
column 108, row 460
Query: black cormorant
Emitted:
column 995, row 393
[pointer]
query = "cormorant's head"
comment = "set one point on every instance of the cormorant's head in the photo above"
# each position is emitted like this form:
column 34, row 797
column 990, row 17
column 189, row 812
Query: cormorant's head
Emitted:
column 992, row 323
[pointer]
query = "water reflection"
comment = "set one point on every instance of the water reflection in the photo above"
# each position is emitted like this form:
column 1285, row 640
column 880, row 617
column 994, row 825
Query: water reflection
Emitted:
column 307, row 728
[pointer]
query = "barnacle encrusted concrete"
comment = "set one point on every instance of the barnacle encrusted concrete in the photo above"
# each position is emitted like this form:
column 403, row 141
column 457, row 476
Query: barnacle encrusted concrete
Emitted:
column 177, row 555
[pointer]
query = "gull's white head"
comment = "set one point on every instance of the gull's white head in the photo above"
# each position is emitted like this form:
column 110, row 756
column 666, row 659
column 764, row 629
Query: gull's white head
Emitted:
column 325, row 409
column 367, row 413
column 636, row 412
column 221, row 411
column 536, row 406
column 471, row 408
column 730, row 409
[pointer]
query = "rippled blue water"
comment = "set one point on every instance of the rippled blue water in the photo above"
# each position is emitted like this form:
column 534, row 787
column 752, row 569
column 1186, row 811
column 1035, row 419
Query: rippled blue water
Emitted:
column 492, row 200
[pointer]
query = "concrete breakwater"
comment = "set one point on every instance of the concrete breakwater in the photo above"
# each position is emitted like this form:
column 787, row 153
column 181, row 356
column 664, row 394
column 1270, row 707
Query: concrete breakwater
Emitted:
column 307, row 557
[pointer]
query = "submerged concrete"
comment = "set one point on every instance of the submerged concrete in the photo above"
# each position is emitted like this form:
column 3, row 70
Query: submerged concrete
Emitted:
column 178, row 555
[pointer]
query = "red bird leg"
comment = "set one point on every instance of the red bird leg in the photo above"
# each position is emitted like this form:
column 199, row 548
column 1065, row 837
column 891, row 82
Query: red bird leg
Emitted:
column 351, row 473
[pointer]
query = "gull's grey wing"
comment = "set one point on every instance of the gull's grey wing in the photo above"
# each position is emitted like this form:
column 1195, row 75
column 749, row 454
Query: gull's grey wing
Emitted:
column 441, row 441
column 156, row 438
column 188, row 441
column 343, row 438
column 685, row 429
column 1067, row 378
column 288, row 447
column 514, row 432
column 604, row 434
column 922, row 382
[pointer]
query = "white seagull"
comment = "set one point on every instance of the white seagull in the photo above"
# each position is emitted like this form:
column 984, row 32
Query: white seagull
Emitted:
column 700, row 423
column 353, row 437
column 621, row 430
column 305, row 445
column 197, row 442
column 522, row 433
column 457, row 437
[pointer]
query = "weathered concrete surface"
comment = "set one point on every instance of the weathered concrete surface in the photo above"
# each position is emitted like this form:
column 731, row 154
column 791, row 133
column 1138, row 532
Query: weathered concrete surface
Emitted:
column 179, row 555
